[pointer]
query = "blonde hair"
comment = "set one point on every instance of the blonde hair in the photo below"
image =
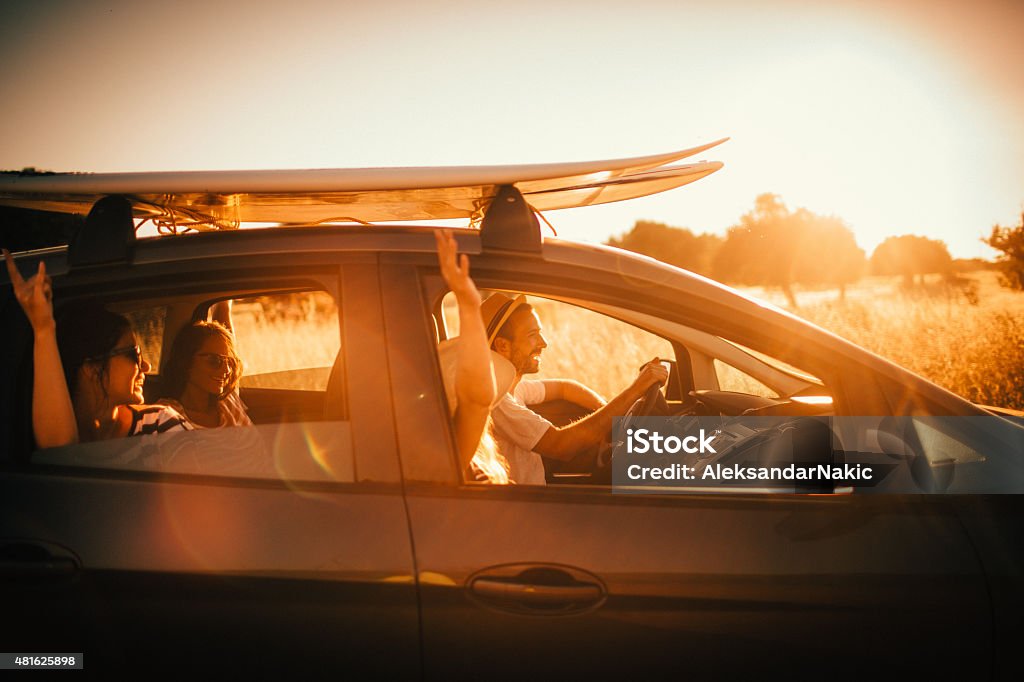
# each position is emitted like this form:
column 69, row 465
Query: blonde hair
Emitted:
column 487, row 462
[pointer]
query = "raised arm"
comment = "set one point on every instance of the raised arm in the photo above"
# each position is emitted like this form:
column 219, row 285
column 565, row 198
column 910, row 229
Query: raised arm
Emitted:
column 53, row 415
column 474, row 376
column 221, row 312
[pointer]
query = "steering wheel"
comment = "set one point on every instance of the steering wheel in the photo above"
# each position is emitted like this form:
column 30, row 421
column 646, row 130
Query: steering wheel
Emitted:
column 649, row 403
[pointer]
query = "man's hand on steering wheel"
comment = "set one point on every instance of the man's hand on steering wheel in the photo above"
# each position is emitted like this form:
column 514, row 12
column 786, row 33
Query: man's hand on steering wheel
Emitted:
column 653, row 375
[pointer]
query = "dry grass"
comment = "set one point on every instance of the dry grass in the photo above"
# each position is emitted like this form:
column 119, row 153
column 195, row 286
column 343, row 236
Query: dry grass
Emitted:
column 284, row 345
column 974, row 350
column 299, row 333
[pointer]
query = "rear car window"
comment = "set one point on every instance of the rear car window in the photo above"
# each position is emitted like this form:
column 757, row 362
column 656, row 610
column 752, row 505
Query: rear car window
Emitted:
column 288, row 344
column 287, row 341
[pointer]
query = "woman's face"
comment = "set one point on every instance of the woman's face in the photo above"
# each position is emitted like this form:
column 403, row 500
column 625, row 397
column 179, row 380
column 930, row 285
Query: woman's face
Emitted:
column 212, row 366
column 125, row 375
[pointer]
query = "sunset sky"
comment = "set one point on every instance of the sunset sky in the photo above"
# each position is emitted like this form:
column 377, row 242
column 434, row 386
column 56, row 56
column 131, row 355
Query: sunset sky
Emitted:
column 898, row 117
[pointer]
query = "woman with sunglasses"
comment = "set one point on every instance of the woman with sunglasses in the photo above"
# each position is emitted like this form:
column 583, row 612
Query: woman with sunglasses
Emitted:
column 200, row 377
column 88, row 371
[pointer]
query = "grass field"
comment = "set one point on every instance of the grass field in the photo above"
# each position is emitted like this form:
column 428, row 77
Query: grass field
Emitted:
column 975, row 349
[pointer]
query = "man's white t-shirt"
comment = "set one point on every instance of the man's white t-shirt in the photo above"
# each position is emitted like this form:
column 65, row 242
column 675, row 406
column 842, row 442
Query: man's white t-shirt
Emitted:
column 517, row 429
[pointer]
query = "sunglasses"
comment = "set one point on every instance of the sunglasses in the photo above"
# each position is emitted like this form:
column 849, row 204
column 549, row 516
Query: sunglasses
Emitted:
column 133, row 353
column 216, row 361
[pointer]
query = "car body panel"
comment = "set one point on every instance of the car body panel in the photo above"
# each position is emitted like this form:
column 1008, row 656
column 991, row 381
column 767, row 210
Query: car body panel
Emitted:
column 715, row 585
column 186, row 569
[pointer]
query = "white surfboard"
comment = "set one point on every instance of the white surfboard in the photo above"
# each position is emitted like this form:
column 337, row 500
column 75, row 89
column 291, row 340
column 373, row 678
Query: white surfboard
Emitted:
column 219, row 199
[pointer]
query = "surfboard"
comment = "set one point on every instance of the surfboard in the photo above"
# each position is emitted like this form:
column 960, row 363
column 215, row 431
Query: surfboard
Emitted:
column 224, row 199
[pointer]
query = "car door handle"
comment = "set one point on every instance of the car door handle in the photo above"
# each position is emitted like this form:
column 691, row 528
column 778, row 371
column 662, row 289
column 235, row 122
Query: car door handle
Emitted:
column 537, row 588
column 536, row 594
column 22, row 559
column 55, row 568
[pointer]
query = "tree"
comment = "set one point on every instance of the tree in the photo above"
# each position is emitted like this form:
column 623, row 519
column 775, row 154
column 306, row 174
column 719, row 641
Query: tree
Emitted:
column 827, row 252
column 774, row 246
column 1009, row 240
column 753, row 251
column 674, row 245
column 909, row 255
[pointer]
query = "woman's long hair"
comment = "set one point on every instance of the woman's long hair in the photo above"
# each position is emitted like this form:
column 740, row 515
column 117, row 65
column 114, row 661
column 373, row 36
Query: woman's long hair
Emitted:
column 488, row 461
column 86, row 332
column 174, row 373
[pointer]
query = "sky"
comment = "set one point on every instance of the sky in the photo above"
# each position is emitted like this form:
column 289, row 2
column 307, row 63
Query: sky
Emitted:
column 899, row 117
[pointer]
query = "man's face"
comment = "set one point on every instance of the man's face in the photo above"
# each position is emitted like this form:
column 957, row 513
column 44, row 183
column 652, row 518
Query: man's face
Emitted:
column 527, row 342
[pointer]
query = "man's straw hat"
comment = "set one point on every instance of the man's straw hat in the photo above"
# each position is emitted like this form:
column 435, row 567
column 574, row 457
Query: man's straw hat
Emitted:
column 496, row 310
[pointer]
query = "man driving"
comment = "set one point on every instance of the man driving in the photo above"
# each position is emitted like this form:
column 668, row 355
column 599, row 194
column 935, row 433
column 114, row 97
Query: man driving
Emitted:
column 523, row 436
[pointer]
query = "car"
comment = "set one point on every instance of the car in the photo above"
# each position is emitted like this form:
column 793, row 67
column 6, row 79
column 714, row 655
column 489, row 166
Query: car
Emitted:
column 339, row 534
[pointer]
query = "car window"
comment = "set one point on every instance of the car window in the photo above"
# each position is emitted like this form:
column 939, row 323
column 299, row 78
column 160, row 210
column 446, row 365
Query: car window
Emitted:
column 287, row 341
column 603, row 346
column 738, row 381
column 291, row 389
column 776, row 363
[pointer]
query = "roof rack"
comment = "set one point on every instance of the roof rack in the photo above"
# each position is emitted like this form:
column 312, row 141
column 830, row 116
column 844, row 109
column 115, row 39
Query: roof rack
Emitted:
column 510, row 224
column 107, row 236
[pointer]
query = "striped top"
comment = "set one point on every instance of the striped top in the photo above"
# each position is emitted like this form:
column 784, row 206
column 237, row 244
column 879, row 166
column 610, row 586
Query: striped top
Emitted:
column 148, row 419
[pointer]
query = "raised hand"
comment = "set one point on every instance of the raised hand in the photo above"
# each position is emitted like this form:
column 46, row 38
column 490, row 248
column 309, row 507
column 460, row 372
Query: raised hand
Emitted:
column 53, row 414
column 35, row 295
column 455, row 269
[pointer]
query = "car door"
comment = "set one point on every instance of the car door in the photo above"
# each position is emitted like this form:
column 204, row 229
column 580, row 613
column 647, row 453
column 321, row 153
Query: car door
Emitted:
column 305, row 564
column 524, row 581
